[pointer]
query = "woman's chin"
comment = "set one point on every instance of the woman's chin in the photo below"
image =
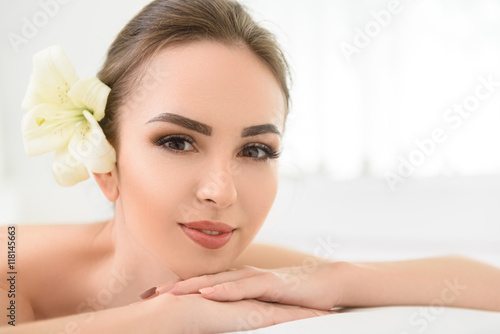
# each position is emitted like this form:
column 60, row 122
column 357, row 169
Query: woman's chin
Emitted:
column 186, row 273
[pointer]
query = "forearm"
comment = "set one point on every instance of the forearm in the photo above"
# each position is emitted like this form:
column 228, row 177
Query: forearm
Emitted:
column 136, row 318
column 443, row 281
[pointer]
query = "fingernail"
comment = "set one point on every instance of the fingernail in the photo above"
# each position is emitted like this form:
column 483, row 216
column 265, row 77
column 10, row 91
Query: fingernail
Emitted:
column 148, row 293
column 207, row 291
column 165, row 287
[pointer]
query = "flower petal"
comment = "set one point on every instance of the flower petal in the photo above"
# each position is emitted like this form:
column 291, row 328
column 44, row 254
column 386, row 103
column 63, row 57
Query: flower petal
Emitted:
column 90, row 94
column 46, row 128
column 89, row 146
column 53, row 75
column 67, row 170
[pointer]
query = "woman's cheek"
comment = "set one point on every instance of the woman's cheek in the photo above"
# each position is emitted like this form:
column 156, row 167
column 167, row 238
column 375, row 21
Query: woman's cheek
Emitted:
column 258, row 191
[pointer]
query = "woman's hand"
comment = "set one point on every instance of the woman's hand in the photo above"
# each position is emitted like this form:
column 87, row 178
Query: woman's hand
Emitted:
column 194, row 314
column 171, row 314
column 448, row 280
column 314, row 287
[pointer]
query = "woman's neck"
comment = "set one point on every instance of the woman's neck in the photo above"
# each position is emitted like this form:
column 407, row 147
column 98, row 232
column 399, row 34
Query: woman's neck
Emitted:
column 131, row 268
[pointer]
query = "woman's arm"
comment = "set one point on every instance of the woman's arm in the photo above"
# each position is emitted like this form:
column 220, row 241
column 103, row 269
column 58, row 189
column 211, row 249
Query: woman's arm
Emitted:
column 128, row 319
column 171, row 314
column 443, row 281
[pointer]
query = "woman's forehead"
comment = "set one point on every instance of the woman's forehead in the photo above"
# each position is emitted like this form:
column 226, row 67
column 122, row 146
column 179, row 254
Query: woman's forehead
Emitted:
column 210, row 82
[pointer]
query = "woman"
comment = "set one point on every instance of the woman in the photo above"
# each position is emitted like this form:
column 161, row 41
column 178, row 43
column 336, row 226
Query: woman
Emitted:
column 194, row 115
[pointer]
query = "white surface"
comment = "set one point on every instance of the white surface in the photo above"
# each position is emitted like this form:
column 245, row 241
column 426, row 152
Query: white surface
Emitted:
column 395, row 320
column 363, row 220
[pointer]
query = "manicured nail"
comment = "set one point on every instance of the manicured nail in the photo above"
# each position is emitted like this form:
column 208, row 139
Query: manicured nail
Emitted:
column 148, row 293
column 207, row 291
column 165, row 287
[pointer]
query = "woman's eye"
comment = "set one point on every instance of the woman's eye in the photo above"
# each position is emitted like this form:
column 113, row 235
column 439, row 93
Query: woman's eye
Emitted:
column 259, row 153
column 176, row 143
column 253, row 152
column 179, row 145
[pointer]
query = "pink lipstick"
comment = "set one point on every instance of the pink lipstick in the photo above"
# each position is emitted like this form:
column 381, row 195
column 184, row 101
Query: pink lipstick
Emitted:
column 208, row 234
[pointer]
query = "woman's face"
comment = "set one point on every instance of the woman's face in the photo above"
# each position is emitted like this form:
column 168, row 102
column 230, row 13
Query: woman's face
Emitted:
column 197, row 159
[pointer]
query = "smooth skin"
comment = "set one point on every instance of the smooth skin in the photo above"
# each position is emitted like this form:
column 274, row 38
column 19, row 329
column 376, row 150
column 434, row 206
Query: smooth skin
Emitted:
column 219, row 163
column 443, row 281
column 168, row 174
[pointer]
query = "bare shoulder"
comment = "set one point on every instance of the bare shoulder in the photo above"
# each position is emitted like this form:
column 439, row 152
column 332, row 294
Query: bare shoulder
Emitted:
column 269, row 256
column 47, row 246
column 16, row 305
column 36, row 262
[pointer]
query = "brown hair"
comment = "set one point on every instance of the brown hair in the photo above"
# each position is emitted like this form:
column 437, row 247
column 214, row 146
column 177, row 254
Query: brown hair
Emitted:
column 165, row 23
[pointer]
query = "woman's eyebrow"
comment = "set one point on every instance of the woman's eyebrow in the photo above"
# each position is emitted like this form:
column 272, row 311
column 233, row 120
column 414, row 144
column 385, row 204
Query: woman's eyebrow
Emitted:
column 184, row 122
column 256, row 130
column 206, row 130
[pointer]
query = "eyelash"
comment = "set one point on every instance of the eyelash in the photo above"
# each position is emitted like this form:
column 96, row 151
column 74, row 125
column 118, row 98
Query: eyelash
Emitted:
column 270, row 152
column 173, row 138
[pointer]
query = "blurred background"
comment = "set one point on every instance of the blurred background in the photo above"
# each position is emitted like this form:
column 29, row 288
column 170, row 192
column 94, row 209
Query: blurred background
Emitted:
column 392, row 147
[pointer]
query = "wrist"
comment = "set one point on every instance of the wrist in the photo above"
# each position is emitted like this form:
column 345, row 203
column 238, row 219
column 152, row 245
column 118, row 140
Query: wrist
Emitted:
column 161, row 312
column 373, row 284
column 348, row 280
column 339, row 274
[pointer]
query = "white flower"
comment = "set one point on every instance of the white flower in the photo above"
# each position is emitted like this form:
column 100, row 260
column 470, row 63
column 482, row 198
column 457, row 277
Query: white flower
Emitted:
column 63, row 112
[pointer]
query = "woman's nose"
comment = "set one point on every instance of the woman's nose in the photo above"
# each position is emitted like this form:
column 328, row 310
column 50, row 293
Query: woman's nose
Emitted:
column 217, row 188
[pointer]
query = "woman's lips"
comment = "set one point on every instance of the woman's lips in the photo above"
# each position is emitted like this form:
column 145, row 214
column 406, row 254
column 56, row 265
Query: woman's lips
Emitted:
column 208, row 234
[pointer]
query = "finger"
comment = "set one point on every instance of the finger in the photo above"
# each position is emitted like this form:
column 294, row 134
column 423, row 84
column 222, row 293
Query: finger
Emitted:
column 163, row 287
column 272, row 314
column 193, row 285
column 285, row 313
column 266, row 287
